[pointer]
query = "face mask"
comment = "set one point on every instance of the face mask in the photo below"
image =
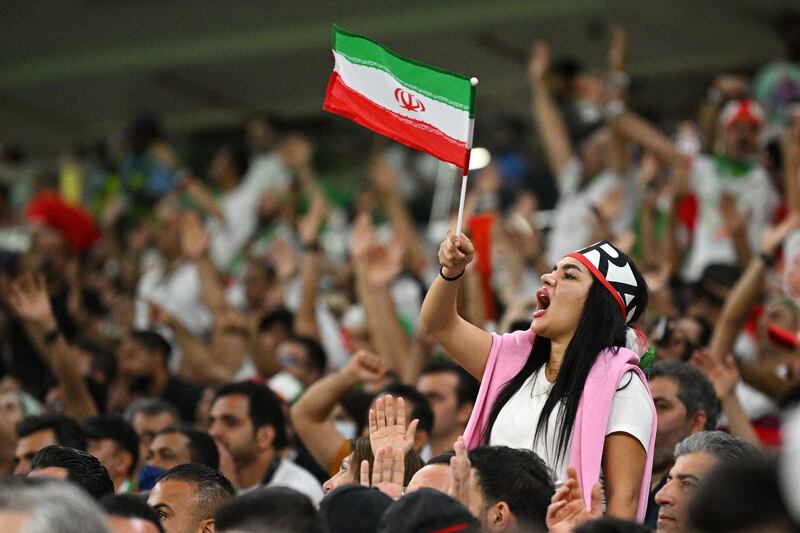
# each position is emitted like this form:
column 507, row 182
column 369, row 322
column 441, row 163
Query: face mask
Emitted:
column 148, row 475
column 346, row 428
column 286, row 386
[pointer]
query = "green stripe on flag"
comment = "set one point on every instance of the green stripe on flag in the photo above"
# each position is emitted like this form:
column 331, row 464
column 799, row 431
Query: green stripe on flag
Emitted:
column 435, row 83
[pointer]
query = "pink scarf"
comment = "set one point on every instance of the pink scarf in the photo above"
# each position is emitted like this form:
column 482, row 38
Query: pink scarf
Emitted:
column 507, row 357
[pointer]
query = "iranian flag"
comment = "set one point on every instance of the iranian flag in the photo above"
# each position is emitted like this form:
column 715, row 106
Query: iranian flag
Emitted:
column 424, row 107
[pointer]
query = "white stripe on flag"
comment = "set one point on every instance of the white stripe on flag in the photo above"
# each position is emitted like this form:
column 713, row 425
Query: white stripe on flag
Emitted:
column 380, row 86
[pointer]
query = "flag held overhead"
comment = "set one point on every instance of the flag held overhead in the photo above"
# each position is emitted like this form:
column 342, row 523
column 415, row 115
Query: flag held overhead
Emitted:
column 424, row 107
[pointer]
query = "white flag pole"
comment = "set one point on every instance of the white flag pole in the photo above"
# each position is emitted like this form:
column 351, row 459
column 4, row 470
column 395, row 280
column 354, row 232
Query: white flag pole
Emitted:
column 465, row 171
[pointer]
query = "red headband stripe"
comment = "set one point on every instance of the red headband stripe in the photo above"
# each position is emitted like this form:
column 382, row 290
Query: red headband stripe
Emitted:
column 602, row 279
column 452, row 529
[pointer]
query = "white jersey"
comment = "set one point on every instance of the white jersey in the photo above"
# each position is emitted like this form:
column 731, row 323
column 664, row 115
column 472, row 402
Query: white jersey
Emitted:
column 711, row 179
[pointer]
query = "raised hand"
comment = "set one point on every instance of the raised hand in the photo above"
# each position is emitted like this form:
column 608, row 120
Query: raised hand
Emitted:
column 723, row 374
column 387, row 425
column 386, row 261
column 790, row 147
column 194, row 238
column 657, row 278
column 309, row 226
column 539, row 63
column 460, row 473
column 362, row 237
column 618, row 51
column 29, row 300
column 284, row 259
column 648, row 174
column 383, row 173
column 388, row 471
column 231, row 321
column 567, row 509
column 365, row 367
column 455, row 253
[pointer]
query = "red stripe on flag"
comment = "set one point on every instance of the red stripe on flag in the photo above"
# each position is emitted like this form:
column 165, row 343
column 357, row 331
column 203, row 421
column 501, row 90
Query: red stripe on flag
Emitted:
column 342, row 100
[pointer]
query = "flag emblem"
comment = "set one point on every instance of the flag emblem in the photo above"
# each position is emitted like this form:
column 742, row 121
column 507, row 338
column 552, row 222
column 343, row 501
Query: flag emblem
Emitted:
column 408, row 100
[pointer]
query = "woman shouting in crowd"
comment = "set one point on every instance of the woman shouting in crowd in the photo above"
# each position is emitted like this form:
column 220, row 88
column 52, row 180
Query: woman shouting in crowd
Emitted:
column 566, row 388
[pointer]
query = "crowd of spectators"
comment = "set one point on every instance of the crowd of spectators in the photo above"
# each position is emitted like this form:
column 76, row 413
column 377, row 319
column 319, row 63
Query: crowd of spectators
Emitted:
column 238, row 348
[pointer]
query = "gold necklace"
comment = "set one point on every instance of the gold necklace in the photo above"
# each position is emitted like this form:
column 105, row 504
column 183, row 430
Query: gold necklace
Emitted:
column 551, row 373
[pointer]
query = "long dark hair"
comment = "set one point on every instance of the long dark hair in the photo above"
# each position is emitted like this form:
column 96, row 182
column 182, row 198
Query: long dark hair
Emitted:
column 601, row 326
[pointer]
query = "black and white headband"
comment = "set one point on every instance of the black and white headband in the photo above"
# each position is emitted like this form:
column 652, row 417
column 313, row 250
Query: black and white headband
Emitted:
column 614, row 271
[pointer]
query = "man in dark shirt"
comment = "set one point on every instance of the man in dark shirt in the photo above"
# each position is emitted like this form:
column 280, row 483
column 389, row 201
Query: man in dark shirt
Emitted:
column 142, row 370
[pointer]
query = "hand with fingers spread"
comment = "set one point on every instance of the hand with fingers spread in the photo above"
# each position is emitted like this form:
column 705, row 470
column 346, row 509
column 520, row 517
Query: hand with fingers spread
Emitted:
column 723, row 374
column 387, row 425
column 388, row 471
column 455, row 253
column 460, row 473
column 30, row 301
column 567, row 509
column 386, row 262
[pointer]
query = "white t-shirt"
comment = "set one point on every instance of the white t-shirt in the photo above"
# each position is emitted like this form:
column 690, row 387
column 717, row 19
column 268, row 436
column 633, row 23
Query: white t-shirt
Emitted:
column 230, row 234
column 516, row 423
column 573, row 218
column 177, row 291
column 755, row 197
column 289, row 474
column 267, row 172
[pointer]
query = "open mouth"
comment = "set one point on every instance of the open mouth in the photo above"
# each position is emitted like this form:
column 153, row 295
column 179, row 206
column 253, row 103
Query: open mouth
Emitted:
column 542, row 302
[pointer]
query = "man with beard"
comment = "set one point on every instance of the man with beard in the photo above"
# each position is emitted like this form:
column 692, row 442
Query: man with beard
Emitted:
column 248, row 421
column 142, row 370
column 187, row 496
column 686, row 404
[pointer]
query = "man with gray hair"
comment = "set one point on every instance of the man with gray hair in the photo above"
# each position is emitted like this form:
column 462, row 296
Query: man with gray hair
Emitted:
column 695, row 456
column 47, row 506
column 685, row 404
